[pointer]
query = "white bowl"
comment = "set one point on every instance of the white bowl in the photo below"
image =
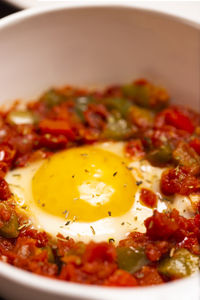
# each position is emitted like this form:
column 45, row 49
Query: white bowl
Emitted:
column 96, row 45
column 186, row 9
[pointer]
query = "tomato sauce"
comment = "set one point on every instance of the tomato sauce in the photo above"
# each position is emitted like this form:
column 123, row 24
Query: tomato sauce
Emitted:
column 168, row 136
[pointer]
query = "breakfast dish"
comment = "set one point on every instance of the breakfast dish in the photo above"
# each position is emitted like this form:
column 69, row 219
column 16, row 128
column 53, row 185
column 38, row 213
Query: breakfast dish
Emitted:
column 101, row 186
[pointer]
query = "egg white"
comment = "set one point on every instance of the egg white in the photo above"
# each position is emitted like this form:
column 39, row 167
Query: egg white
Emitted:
column 117, row 228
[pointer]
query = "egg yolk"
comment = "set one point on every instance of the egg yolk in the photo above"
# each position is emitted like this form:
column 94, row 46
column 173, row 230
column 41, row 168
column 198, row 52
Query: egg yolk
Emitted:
column 84, row 184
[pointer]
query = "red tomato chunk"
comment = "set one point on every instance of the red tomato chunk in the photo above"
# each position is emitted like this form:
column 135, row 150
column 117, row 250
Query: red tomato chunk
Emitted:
column 148, row 198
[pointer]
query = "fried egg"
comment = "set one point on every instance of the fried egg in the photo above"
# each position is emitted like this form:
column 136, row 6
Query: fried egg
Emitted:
column 89, row 192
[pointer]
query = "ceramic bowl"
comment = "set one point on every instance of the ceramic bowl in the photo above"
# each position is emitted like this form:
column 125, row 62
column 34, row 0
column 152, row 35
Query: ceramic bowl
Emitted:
column 94, row 45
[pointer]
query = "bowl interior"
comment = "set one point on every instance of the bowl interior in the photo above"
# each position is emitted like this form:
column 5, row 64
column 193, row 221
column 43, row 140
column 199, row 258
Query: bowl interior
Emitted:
column 96, row 46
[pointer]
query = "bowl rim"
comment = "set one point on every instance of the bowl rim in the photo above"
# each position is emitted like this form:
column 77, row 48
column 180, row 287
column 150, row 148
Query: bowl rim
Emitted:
column 24, row 4
column 78, row 4
column 92, row 292
column 63, row 288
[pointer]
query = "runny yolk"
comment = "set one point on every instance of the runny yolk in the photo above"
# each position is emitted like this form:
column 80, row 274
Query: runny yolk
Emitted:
column 85, row 183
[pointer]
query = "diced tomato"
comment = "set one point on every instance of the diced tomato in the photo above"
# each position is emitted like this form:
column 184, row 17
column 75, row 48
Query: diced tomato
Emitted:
column 64, row 245
column 7, row 154
column 95, row 116
column 113, row 91
column 39, row 155
column 23, row 144
column 31, row 258
column 148, row 198
column 148, row 276
column 186, row 156
column 90, row 135
column 69, row 272
column 135, row 240
column 192, row 244
column 121, row 278
column 5, row 214
column 40, row 237
column 160, row 226
column 22, row 160
column 94, row 266
column 135, row 148
column 5, row 192
column 195, row 144
column 55, row 127
column 141, row 81
column 166, row 226
column 99, row 251
column 3, row 169
column 155, row 250
column 180, row 181
column 52, row 141
column 166, row 134
column 178, row 119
